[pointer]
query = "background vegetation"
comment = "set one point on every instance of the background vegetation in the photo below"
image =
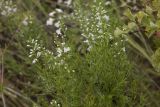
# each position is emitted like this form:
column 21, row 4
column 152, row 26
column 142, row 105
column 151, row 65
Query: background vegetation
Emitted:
column 76, row 53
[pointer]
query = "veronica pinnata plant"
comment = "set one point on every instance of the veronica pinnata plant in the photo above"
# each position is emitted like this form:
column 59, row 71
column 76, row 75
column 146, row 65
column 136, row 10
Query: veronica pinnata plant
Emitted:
column 96, row 79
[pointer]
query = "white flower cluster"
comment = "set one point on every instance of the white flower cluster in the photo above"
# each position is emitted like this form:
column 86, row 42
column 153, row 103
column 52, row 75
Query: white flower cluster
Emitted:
column 27, row 20
column 54, row 103
column 36, row 50
column 66, row 2
column 51, row 19
column 63, row 49
column 7, row 7
column 54, row 60
column 122, row 51
column 120, row 46
column 94, row 24
column 108, row 3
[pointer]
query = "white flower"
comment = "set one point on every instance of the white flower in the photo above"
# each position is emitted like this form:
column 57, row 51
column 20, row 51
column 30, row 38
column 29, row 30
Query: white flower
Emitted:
column 49, row 21
column 123, row 49
column 107, row 3
column 63, row 43
column 66, row 49
column 7, row 8
column 58, row 31
column 68, row 2
column 58, row 105
column 89, row 48
column 86, row 41
column 57, row 24
column 25, row 21
column 30, row 56
column 4, row 13
column 73, row 70
column 106, row 18
column 38, row 54
column 59, row 10
column 110, row 37
column 52, row 13
column 55, row 101
column 34, row 61
column 59, row 50
column 14, row 9
column 100, row 31
column 51, row 103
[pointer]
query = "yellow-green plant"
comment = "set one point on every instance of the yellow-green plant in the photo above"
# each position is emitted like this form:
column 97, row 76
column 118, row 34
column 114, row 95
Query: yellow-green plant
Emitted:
column 143, row 25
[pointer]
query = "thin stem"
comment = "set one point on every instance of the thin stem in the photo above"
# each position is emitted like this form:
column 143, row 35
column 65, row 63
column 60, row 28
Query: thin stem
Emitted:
column 3, row 99
column 2, row 68
column 19, row 95
column 2, row 79
column 148, row 48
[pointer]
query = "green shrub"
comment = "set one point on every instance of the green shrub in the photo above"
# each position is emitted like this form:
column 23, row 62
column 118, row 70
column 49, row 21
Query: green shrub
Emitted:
column 95, row 74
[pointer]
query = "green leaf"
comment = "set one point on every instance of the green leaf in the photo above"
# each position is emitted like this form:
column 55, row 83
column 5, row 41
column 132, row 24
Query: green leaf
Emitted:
column 158, row 15
column 156, row 59
column 158, row 23
column 151, row 28
column 129, row 14
column 132, row 25
column 153, row 25
column 149, row 10
column 156, row 4
column 118, row 32
column 140, row 15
